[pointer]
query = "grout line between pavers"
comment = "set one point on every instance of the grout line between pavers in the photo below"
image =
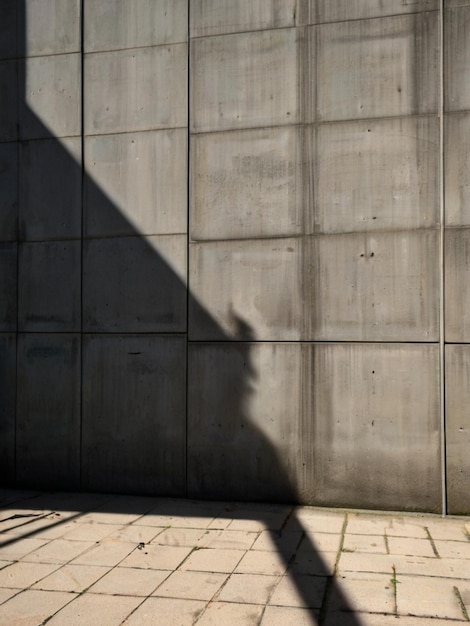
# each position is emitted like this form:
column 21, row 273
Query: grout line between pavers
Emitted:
column 387, row 547
column 394, row 582
column 461, row 603
column 433, row 545
column 330, row 580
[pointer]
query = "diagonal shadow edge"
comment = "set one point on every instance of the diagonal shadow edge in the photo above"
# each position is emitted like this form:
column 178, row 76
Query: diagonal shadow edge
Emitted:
column 130, row 277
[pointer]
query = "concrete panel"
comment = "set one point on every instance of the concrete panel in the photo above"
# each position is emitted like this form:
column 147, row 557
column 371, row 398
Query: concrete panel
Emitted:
column 134, row 414
column 457, row 281
column 376, row 68
column 376, row 426
column 122, row 24
column 458, row 428
column 249, row 425
column 135, row 284
column 49, row 286
column 8, row 110
column 376, row 175
column 457, row 164
column 50, row 189
column 8, row 286
column 342, row 10
column 48, row 418
column 52, row 99
column 138, row 89
column 52, row 26
column 249, row 289
column 144, row 175
column 375, row 287
column 8, row 39
column 216, row 17
column 7, row 408
column 457, row 59
column 452, row 4
column 247, row 184
column 244, row 81
column 8, row 191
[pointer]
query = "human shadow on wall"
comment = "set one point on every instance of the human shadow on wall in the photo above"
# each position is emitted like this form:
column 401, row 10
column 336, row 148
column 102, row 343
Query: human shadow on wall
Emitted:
column 105, row 361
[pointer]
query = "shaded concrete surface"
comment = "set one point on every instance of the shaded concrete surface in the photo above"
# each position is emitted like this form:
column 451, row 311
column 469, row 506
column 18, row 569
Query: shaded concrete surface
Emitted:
column 109, row 559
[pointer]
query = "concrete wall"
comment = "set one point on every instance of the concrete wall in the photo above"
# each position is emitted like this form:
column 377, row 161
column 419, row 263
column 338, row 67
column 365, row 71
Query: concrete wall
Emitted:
column 280, row 159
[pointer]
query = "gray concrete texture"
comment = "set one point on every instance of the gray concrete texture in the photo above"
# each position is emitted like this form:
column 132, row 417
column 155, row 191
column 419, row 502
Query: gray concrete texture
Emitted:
column 220, row 242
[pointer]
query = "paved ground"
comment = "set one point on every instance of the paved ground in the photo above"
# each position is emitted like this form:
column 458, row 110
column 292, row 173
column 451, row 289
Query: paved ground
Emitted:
column 100, row 559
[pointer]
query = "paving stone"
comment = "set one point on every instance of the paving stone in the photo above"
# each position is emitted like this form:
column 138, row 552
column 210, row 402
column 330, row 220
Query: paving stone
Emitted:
column 400, row 528
column 361, row 562
column 175, row 521
column 210, row 560
column 250, row 525
column 248, row 588
column 288, row 616
column 95, row 609
column 228, row 539
column 32, row 607
column 157, row 557
column 453, row 549
column 234, row 614
column 363, row 592
column 413, row 547
column 179, row 537
column 129, row 582
column 50, row 528
column 444, row 530
column 220, row 523
column 320, row 542
column 106, row 553
column 444, row 568
column 16, row 549
column 21, row 575
column 90, row 532
column 105, row 517
column 72, row 578
column 464, row 591
column 337, row 618
column 420, row 566
column 191, row 585
column 59, row 551
column 314, row 564
column 259, row 562
column 428, row 597
column 135, row 534
column 6, row 594
column 273, row 542
column 392, row 526
column 300, row 591
column 166, row 609
column 365, row 543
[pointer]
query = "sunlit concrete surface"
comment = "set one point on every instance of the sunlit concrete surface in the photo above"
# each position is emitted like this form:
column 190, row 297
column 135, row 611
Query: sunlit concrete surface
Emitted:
column 122, row 560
